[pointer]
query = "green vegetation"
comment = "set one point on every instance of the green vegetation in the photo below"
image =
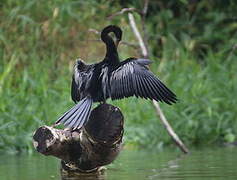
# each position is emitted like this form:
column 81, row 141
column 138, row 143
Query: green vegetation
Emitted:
column 193, row 46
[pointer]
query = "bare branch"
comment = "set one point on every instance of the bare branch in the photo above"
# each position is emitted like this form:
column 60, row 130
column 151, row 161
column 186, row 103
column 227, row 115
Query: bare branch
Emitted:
column 124, row 10
column 94, row 31
column 94, row 40
column 137, row 34
column 135, row 46
column 168, row 127
column 144, row 11
column 156, row 105
column 143, row 19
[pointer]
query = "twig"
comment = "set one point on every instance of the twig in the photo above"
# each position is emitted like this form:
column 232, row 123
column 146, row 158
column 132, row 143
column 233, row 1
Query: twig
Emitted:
column 144, row 11
column 94, row 31
column 156, row 105
column 137, row 34
column 123, row 11
column 169, row 129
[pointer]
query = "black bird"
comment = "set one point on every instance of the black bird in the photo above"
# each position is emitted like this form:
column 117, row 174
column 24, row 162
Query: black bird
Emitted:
column 113, row 79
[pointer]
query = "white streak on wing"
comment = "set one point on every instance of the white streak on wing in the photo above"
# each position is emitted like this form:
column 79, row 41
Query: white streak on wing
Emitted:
column 77, row 76
column 105, row 85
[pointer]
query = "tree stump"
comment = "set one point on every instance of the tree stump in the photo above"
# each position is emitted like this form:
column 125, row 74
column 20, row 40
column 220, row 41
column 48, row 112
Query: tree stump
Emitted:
column 86, row 150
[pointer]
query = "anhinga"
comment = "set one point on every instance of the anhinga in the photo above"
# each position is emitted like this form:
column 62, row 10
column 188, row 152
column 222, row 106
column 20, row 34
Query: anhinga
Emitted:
column 113, row 79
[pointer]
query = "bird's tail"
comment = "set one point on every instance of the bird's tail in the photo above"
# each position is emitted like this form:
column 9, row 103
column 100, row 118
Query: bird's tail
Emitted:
column 78, row 115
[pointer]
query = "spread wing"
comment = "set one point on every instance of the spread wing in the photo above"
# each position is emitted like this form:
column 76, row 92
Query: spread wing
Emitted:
column 132, row 77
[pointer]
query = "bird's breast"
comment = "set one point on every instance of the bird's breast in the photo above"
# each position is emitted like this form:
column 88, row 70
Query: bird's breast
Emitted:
column 97, row 86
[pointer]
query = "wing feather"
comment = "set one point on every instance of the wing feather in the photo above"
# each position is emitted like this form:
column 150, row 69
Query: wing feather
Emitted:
column 139, row 85
column 154, row 93
column 165, row 91
column 126, row 90
column 145, row 88
column 157, row 88
column 135, row 86
column 133, row 78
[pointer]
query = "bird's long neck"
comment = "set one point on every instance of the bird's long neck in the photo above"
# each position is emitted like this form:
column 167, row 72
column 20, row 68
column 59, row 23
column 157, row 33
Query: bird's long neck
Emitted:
column 111, row 56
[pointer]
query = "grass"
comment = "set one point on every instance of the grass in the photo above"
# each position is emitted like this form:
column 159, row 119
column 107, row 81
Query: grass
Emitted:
column 38, row 45
column 205, row 113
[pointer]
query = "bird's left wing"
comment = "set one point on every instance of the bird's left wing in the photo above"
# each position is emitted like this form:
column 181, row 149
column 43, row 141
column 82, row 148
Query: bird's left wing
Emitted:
column 81, row 76
column 132, row 77
column 75, row 94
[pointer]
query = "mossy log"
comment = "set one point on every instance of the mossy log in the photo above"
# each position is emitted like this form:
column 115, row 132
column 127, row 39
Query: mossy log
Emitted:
column 89, row 149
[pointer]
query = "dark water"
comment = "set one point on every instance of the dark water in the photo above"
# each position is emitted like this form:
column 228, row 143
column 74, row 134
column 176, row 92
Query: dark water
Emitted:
column 208, row 164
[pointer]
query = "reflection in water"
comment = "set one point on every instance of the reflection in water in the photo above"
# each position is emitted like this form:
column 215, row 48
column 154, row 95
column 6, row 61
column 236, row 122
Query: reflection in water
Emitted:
column 170, row 167
column 207, row 164
column 85, row 177
column 101, row 175
column 203, row 164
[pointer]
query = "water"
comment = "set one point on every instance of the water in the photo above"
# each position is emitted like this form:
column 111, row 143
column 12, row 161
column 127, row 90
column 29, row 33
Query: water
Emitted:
column 207, row 164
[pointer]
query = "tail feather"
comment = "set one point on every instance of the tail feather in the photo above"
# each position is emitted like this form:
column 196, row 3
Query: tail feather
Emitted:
column 75, row 117
column 67, row 114
column 85, row 114
column 78, row 115
column 79, row 110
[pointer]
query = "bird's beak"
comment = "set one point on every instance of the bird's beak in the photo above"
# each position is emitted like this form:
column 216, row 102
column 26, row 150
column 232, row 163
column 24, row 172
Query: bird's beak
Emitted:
column 116, row 43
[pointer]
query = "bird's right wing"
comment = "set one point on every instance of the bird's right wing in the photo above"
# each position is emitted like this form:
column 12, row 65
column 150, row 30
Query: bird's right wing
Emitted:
column 132, row 77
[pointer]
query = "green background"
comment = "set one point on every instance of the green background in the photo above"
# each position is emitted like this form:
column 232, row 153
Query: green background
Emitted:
column 192, row 43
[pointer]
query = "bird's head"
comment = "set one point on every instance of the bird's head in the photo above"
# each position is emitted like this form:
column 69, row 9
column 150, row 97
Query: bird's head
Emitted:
column 116, row 30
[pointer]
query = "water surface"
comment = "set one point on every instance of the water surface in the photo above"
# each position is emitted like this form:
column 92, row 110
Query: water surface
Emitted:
column 205, row 164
